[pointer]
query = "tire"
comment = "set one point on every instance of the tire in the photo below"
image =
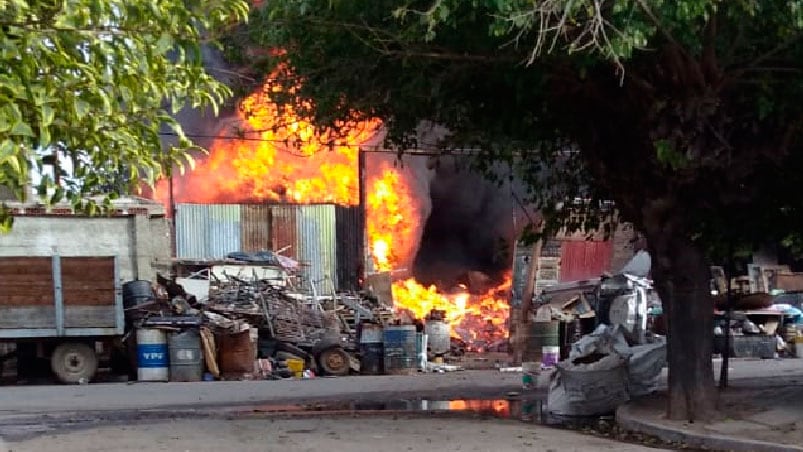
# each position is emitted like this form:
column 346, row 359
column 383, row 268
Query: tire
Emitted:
column 334, row 361
column 74, row 362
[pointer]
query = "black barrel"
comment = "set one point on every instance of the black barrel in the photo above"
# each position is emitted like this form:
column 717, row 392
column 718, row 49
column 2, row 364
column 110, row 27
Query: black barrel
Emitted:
column 137, row 292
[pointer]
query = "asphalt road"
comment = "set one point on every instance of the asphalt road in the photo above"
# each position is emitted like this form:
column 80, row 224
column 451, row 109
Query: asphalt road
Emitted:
column 388, row 434
column 20, row 400
column 26, row 400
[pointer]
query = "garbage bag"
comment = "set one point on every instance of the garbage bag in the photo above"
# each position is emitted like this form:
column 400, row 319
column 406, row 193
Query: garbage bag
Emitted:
column 588, row 389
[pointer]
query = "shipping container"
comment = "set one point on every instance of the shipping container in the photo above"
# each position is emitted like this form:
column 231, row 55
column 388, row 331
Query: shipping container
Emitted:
column 324, row 238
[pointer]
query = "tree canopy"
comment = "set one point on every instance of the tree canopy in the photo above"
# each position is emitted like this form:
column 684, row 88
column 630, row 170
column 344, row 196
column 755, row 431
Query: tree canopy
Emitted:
column 685, row 113
column 95, row 82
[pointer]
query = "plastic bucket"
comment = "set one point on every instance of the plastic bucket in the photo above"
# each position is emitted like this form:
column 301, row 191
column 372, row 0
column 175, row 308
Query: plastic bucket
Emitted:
column 549, row 356
column 296, row 366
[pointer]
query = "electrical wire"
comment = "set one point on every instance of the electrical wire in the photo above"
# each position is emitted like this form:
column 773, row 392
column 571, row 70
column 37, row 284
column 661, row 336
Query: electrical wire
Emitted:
column 426, row 149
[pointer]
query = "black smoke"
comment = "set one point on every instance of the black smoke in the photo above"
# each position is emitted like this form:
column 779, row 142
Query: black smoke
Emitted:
column 470, row 228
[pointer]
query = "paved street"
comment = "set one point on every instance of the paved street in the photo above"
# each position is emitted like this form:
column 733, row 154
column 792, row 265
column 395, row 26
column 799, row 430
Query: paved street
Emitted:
column 17, row 400
column 20, row 400
column 324, row 434
column 171, row 416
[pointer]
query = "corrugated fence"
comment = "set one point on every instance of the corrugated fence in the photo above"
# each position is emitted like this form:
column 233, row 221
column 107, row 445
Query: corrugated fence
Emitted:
column 326, row 239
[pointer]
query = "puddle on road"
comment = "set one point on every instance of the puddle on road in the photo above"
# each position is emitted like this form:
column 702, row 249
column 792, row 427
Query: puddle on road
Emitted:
column 530, row 410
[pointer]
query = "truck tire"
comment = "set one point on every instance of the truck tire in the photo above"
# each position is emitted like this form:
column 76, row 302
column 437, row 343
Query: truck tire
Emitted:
column 74, row 362
column 334, row 361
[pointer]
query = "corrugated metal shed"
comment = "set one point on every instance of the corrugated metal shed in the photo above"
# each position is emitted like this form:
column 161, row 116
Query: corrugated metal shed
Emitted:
column 316, row 242
column 207, row 231
column 350, row 236
column 255, row 224
column 326, row 239
column 583, row 259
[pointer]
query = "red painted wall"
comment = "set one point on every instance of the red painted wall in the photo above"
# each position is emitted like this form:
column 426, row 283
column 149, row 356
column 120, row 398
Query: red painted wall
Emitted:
column 582, row 259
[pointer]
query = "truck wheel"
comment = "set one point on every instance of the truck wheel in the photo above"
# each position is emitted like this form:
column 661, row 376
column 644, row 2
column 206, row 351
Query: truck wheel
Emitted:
column 74, row 362
column 334, row 361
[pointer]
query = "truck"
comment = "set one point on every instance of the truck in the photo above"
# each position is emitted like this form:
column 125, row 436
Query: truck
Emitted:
column 67, row 310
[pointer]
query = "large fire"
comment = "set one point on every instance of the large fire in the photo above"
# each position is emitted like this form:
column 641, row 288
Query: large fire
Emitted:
column 274, row 154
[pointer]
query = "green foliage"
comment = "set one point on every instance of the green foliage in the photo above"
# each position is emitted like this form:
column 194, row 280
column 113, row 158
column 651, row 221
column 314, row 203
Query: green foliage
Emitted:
column 95, row 81
column 683, row 112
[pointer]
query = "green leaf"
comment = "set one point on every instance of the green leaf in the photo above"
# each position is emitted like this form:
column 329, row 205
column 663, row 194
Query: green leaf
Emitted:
column 22, row 129
column 82, row 108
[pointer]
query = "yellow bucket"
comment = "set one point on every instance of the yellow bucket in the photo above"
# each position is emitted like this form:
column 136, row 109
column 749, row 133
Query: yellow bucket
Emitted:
column 296, row 366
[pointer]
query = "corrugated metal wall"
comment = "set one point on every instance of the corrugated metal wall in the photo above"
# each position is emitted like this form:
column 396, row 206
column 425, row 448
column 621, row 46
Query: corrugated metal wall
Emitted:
column 316, row 239
column 207, row 231
column 255, row 222
column 583, row 259
column 326, row 239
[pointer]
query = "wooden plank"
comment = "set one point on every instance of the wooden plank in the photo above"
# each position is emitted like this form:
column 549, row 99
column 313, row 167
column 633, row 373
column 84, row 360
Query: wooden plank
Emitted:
column 99, row 268
column 25, row 271
column 88, row 297
column 23, row 300
column 87, row 285
column 11, row 284
column 89, row 317
column 27, row 317
column 25, row 261
column 88, row 273
column 380, row 284
column 24, row 290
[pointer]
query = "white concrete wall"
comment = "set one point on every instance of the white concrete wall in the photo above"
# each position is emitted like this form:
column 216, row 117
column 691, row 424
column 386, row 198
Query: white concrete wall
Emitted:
column 140, row 243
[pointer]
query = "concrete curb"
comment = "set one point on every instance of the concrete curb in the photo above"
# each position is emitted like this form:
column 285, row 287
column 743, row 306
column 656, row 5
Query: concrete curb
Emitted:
column 630, row 422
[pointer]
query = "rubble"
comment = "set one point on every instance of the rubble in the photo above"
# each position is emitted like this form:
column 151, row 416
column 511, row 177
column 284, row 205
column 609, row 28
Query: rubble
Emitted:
column 254, row 327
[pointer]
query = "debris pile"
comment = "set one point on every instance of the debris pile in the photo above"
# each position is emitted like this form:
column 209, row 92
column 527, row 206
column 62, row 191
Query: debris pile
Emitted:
column 254, row 328
column 604, row 371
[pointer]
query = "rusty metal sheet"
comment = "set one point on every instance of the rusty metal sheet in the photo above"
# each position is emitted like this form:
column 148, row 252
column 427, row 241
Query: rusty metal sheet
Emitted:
column 583, row 259
column 350, row 237
column 255, row 228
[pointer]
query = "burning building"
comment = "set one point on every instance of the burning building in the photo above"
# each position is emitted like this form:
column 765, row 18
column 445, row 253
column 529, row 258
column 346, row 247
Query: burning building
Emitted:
column 438, row 230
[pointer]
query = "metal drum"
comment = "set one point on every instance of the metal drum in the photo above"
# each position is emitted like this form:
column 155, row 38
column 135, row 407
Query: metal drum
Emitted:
column 136, row 292
column 439, row 337
column 186, row 356
column 371, row 349
column 400, row 349
column 539, row 335
column 152, row 355
column 237, row 353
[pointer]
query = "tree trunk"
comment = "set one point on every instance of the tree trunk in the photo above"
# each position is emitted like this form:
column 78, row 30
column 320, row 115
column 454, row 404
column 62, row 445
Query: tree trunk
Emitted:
column 682, row 280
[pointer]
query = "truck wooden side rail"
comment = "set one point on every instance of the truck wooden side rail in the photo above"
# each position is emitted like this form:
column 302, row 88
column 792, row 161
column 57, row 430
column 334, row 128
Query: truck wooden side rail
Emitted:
column 62, row 305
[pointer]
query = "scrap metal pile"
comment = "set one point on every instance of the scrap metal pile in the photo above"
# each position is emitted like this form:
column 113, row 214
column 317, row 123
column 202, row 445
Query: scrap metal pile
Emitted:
column 283, row 325
column 289, row 316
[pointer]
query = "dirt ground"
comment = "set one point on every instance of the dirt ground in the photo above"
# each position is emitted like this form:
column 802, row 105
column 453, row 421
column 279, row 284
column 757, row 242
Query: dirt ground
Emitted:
column 353, row 434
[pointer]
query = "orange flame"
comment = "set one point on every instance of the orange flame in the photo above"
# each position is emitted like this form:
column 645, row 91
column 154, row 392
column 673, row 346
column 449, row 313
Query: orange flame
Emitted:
column 390, row 212
column 275, row 154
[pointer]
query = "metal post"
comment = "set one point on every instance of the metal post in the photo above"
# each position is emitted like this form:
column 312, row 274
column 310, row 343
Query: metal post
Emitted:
column 57, row 294
column 171, row 211
column 367, row 266
column 723, row 371
column 119, row 309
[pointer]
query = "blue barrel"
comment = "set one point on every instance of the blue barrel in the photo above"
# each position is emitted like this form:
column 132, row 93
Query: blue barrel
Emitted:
column 152, row 357
column 400, row 349
column 371, row 349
